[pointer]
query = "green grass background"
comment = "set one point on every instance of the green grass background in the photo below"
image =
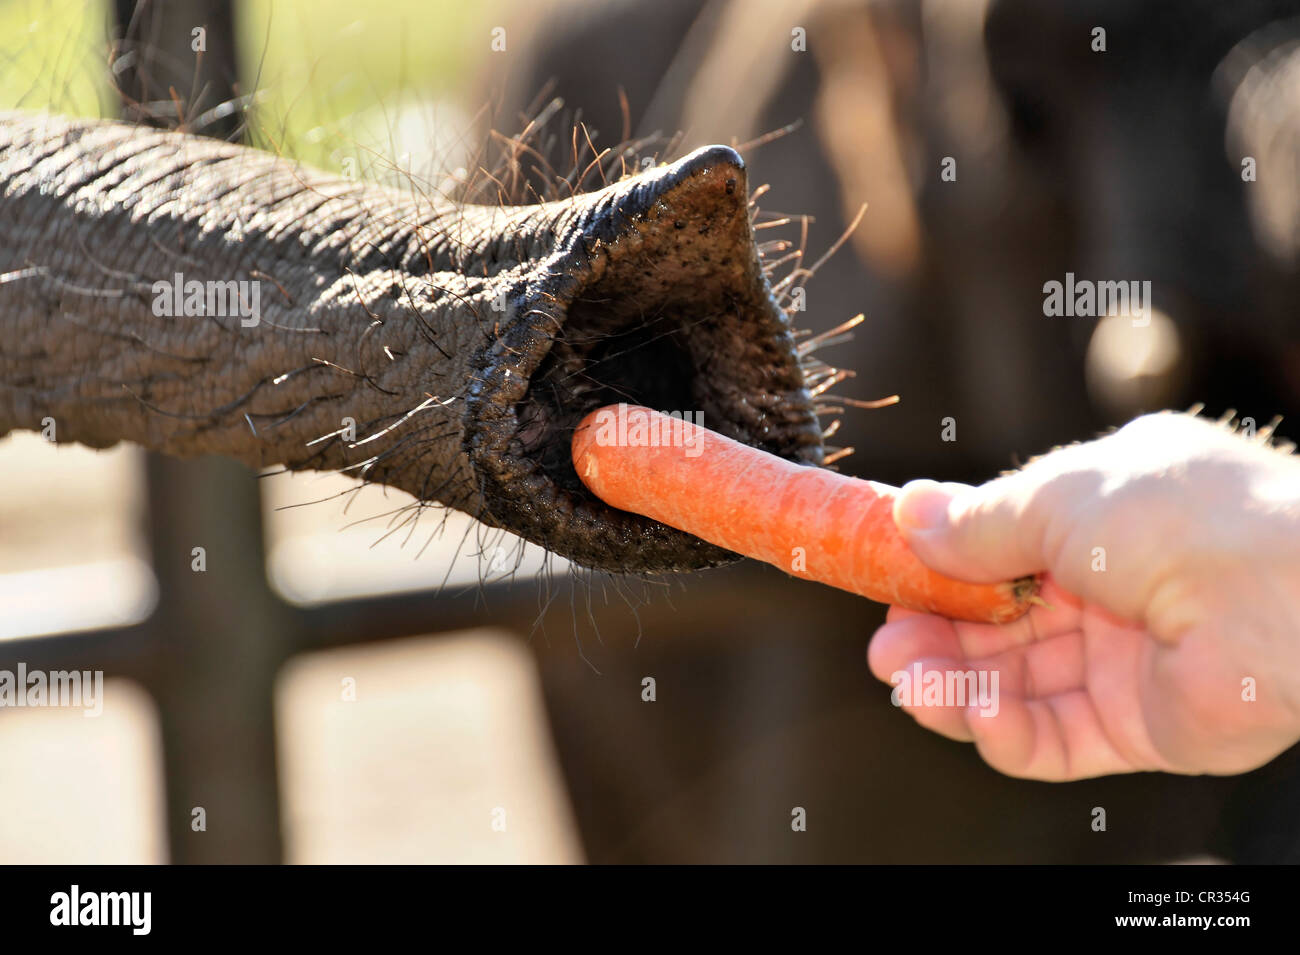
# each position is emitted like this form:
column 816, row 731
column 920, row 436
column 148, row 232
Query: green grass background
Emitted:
column 317, row 64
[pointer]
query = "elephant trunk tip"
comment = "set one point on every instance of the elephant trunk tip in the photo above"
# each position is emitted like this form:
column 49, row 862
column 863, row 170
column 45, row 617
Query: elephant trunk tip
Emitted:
column 657, row 296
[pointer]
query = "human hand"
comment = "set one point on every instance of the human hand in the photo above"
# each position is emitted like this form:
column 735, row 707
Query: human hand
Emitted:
column 1171, row 636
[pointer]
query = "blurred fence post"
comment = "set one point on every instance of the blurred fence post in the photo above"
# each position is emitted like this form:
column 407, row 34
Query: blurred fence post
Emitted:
column 221, row 635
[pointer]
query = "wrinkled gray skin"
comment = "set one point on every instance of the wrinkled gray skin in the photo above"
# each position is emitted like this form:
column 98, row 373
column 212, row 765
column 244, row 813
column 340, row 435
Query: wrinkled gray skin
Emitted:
column 464, row 341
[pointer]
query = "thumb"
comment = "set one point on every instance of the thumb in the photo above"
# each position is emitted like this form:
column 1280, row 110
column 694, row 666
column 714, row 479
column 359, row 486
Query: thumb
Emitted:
column 980, row 534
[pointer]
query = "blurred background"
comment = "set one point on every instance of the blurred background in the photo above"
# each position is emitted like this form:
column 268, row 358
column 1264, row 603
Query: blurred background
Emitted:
column 337, row 686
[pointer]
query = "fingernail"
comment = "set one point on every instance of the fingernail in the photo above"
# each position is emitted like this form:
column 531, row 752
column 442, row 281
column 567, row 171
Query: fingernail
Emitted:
column 922, row 506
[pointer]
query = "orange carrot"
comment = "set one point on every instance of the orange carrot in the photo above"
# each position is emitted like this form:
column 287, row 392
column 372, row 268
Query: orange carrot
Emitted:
column 808, row 521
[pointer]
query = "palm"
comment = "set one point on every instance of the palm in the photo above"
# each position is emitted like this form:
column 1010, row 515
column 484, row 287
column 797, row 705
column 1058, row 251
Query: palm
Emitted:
column 1081, row 693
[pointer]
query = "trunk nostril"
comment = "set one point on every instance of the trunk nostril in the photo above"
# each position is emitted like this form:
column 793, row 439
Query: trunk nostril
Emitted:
column 656, row 295
column 590, row 365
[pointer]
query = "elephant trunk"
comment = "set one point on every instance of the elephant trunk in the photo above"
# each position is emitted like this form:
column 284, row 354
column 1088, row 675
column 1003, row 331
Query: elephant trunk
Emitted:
column 198, row 297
